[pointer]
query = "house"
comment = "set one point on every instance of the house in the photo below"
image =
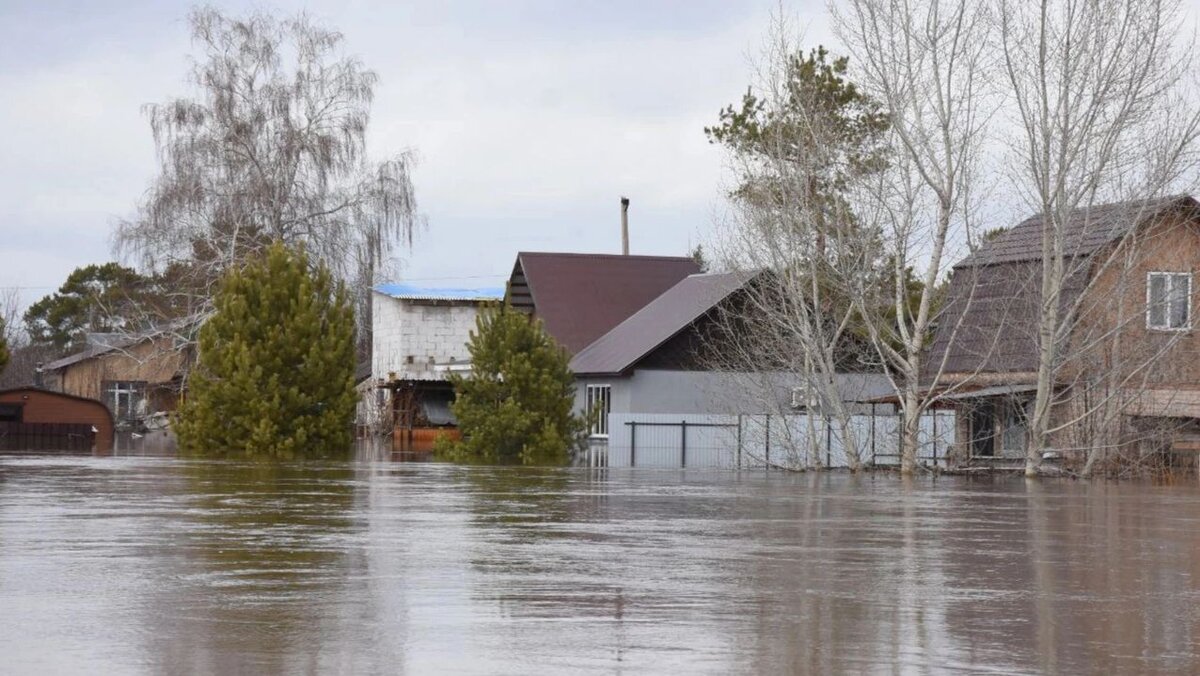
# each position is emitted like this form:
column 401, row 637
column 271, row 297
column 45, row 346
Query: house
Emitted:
column 35, row 419
column 139, row 377
column 419, row 337
column 1128, row 349
column 654, row 363
column 580, row 297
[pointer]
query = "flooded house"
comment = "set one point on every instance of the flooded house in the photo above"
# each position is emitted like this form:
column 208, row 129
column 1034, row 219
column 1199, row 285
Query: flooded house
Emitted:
column 656, row 369
column 36, row 419
column 419, row 337
column 1127, row 377
column 139, row 377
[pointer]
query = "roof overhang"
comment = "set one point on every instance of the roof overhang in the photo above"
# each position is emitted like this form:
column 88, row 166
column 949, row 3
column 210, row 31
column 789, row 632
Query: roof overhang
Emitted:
column 993, row 391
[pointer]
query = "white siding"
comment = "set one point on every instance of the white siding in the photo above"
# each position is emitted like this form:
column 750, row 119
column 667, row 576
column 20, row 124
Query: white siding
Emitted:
column 427, row 332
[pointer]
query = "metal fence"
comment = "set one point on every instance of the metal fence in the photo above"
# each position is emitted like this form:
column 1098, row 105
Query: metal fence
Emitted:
column 757, row 441
column 16, row 436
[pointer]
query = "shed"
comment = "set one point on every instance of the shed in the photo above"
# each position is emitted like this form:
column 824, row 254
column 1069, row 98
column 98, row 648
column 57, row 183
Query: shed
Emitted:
column 32, row 418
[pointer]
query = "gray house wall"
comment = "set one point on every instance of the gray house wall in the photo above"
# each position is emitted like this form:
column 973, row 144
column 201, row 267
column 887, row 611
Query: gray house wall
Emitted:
column 705, row 392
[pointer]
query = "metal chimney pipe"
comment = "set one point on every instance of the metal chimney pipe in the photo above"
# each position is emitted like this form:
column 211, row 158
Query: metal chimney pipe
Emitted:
column 624, row 226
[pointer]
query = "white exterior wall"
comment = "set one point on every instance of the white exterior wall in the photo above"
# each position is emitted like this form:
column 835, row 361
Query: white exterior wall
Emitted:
column 431, row 333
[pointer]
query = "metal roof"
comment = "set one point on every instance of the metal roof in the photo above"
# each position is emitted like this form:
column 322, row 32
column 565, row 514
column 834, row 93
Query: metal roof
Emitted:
column 414, row 292
column 1087, row 229
column 580, row 297
column 111, row 342
column 656, row 323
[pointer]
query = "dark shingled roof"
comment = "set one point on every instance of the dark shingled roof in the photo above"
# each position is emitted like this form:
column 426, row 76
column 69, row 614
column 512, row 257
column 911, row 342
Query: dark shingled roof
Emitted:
column 1088, row 229
column 989, row 323
column 998, row 332
column 656, row 323
column 580, row 297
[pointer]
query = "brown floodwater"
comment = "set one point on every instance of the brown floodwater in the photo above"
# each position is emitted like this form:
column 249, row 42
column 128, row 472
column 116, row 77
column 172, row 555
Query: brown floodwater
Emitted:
column 159, row 565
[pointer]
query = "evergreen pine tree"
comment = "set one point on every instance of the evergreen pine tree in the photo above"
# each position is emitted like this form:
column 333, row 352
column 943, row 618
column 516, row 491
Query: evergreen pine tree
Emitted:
column 516, row 405
column 275, row 377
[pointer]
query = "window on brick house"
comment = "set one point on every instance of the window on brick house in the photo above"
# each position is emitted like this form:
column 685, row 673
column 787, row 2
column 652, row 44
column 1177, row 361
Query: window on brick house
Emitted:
column 1169, row 300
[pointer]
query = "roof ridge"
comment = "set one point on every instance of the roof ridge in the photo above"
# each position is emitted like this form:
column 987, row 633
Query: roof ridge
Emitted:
column 577, row 254
column 1091, row 227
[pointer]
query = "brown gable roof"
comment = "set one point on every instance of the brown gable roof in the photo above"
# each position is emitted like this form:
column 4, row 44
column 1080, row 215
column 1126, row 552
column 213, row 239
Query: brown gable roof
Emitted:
column 989, row 323
column 580, row 297
column 656, row 323
column 1088, row 229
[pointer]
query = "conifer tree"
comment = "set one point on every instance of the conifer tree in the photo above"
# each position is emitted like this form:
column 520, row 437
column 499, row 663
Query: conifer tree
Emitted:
column 516, row 405
column 275, row 377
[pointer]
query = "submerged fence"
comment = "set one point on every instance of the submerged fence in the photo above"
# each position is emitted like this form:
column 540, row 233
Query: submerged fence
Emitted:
column 750, row 441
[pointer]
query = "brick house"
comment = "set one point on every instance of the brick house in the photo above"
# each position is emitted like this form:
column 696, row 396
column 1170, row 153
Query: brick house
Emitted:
column 1128, row 373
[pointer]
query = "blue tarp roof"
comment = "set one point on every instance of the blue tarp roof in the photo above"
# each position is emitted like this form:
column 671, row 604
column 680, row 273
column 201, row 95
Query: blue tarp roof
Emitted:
column 415, row 292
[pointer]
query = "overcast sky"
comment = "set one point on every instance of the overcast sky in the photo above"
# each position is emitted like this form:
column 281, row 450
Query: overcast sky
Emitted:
column 530, row 119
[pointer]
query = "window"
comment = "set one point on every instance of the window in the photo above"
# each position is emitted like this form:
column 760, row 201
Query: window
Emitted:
column 599, row 404
column 1013, row 441
column 125, row 398
column 1169, row 300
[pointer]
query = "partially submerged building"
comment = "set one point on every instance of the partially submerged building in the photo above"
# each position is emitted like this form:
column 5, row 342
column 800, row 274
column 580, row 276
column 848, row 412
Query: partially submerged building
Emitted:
column 1127, row 342
column 419, row 337
column 656, row 362
column 139, row 377
column 35, row 419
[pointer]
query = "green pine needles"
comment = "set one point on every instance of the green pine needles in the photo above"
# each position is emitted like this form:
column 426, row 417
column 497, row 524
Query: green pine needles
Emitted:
column 515, row 407
column 275, row 378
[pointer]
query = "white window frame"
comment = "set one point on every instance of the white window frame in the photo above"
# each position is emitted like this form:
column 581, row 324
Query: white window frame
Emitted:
column 1171, row 278
column 598, row 427
column 126, row 397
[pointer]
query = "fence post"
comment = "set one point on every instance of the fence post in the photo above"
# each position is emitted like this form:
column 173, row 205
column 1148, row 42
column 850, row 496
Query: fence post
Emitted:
column 828, row 440
column 935, row 438
column 633, row 443
column 873, row 414
column 739, row 442
column 767, row 457
column 683, row 444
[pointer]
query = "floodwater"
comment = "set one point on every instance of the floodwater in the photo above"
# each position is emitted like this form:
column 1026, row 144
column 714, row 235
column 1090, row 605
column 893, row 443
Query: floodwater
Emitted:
column 158, row 565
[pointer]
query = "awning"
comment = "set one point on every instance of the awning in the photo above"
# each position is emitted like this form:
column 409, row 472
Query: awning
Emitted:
column 994, row 391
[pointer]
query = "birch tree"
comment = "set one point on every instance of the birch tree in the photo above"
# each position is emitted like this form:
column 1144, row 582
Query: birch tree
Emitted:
column 1095, row 89
column 926, row 62
column 270, row 146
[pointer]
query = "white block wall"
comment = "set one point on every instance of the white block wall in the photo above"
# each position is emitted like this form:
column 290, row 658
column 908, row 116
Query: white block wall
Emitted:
column 425, row 331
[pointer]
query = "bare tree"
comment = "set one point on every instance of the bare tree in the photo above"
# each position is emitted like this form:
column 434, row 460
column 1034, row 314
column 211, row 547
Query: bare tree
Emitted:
column 270, row 147
column 802, row 135
column 1095, row 86
column 926, row 61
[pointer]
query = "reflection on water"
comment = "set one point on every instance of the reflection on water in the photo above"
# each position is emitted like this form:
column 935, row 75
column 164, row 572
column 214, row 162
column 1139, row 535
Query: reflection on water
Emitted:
column 157, row 565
